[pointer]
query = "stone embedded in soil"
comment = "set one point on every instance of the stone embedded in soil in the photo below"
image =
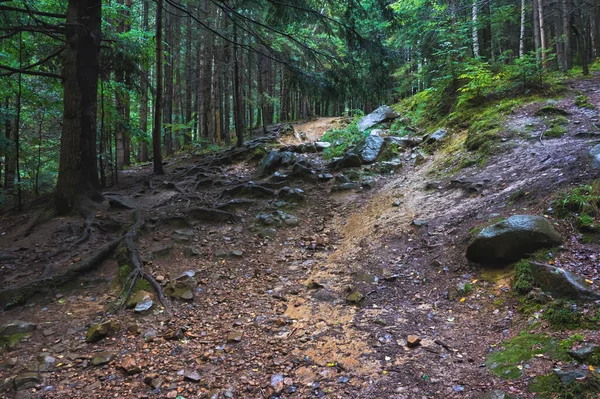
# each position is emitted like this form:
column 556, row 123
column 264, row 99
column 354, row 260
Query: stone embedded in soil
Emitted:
column 420, row 222
column 370, row 149
column 583, row 352
column 512, row 239
column 137, row 298
column 495, row 394
column 212, row 394
column 237, row 253
column 26, row 381
column 129, row 365
column 348, row 161
column 114, row 201
column 8, row 363
column 420, row 158
column 562, row 283
column 192, row 376
column 101, row 330
column 569, row 375
column 595, row 154
column 235, row 336
column 45, row 362
column 381, row 114
column 277, row 383
column 412, row 341
column 345, row 187
column 355, row 297
column 102, row 358
column 15, row 327
column 438, row 135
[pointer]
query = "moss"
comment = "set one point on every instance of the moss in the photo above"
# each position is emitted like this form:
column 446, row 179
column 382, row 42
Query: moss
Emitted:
column 583, row 101
column 523, row 278
column 551, row 110
column 563, row 315
column 11, row 340
column 550, row 386
column 508, row 362
column 556, row 131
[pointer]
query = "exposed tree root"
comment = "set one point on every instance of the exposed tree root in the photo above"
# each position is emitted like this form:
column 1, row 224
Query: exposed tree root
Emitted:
column 19, row 294
column 212, row 215
column 131, row 256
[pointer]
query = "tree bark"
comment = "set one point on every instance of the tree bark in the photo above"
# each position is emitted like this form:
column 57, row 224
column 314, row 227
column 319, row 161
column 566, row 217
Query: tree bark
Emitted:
column 78, row 171
column 156, row 131
column 143, row 154
column 474, row 30
column 522, row 31
column 238, row 107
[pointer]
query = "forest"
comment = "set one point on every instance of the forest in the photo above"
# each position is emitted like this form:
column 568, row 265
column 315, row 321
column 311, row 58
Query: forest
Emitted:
column 300, row 199
column 164, row 77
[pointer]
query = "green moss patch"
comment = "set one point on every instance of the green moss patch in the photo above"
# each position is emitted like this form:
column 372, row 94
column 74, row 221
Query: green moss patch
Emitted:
column 523, row 277
column 549, row 386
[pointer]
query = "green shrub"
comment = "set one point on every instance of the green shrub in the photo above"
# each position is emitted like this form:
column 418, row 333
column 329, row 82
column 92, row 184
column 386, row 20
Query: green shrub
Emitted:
column 583, row 101
column 582, row 203
column 343, row 139
column 523, row 278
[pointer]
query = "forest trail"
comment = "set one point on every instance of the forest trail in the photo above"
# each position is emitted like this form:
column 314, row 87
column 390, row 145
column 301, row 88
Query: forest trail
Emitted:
column 298, row 294
column 312, row 130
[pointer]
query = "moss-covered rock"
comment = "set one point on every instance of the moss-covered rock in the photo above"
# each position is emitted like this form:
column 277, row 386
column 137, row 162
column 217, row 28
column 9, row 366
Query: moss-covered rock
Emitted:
column 98, row 331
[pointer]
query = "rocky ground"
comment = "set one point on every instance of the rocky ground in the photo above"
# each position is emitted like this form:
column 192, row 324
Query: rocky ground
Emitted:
column 339, row 283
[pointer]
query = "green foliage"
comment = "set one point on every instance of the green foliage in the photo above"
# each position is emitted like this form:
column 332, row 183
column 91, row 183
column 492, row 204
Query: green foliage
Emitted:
column 508, row 362
column 563, row 315
column 583, row 101
column 550, row 386
column 342, row 139
column 581, row 203
column 523, row 282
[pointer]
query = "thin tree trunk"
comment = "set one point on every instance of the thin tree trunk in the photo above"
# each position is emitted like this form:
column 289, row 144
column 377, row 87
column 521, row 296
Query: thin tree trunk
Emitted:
column 238, row 107
column 542, row 31
column 156, row 131
column 522, row 34
column 474, row 30
column 536, row 30
column 18, row 126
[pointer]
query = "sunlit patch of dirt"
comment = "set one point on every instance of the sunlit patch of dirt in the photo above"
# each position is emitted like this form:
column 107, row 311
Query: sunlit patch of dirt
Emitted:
column 314, row 130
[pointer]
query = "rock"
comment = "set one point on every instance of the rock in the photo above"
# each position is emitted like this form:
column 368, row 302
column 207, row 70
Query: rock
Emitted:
column 595, row 154
column 129, row 365
column 192, row 376
column 438, row 135
column 412, row 341
column 213, row 394
column 101, row 330
column 368, row 183
column 160, row 251
column 45, row 362
column 237, row 253
column 183, row 287
column 235, row 336
column 510, row 240
column 325, row 176
column 277, row 383
column 114, row 201
column 292, row 194
column 300, row 170
column 495, row 394
column 16, row 327
column 403, row 142
column 355, row 297
column 138, row 297
column 133, row 328
column 397, row 203
column 144, row 305
column 370, row 149
column 420, row 222
column 420, row 158
column 569, row 375
column 8, row 363
column 26, row 381
column 345, row 187
column 562, row 283
column 102, row 358
column 584, row 352
column 322, row 145
column 269, row 163
column 381, row 114
column 347, row 161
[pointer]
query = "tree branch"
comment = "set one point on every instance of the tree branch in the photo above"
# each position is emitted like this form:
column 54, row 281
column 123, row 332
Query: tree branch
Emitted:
column 28, row 11
column 27, row 72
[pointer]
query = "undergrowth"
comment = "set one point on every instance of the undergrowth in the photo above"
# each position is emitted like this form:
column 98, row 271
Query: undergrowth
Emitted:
column 582, row 204
column 342, row 139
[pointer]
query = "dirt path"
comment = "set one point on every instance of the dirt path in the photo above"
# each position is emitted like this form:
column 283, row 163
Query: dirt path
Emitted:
column 312, row 130
column 270, row 316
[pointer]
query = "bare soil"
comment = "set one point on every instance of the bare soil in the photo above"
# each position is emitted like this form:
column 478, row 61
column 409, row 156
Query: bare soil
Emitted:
column 287, row 293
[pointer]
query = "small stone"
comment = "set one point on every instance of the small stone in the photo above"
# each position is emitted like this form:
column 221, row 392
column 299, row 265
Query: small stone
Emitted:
column 45, row 362
column 192, row 376
column 235, row 336
column 8, row 363
column 16, row 327
column 277, row 383
column 26, row 381
column 143, row 305
column 138, row 297
column 129, row 365
column 355, row 297
column 102, row 358
column 412, row 341
column 343, row 379
column 397, row 203
column 236, row 253
column 420, row 222
column 583, row 353
column 213, row 394
column 101, row 330
column 133, row 328
column 569, row 375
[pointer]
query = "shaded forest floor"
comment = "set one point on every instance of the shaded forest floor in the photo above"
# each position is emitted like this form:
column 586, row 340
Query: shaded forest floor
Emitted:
column 272, row 313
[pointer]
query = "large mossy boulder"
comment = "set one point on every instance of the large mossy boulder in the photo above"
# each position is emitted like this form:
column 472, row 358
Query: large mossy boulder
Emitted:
column 269, row 164
column 512, row 239
column 381, row 114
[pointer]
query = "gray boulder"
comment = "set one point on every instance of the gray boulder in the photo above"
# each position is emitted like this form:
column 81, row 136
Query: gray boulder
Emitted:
column 348, row 161
column 370, row 149
column 512, row 239
column 403, row 142
column 381, row 114
column 595, row 154
column 438, row 135
column 269, row 163
column 562, row 283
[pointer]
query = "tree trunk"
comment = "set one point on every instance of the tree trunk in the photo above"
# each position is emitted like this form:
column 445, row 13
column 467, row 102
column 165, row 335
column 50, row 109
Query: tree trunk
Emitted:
column 238, row 107
column 522, row 34
column 78, row 171
column 143, row 154
column 542, row 31
column 156, row 131
column 187, row 133
column 474, row 30
column 536, row 30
